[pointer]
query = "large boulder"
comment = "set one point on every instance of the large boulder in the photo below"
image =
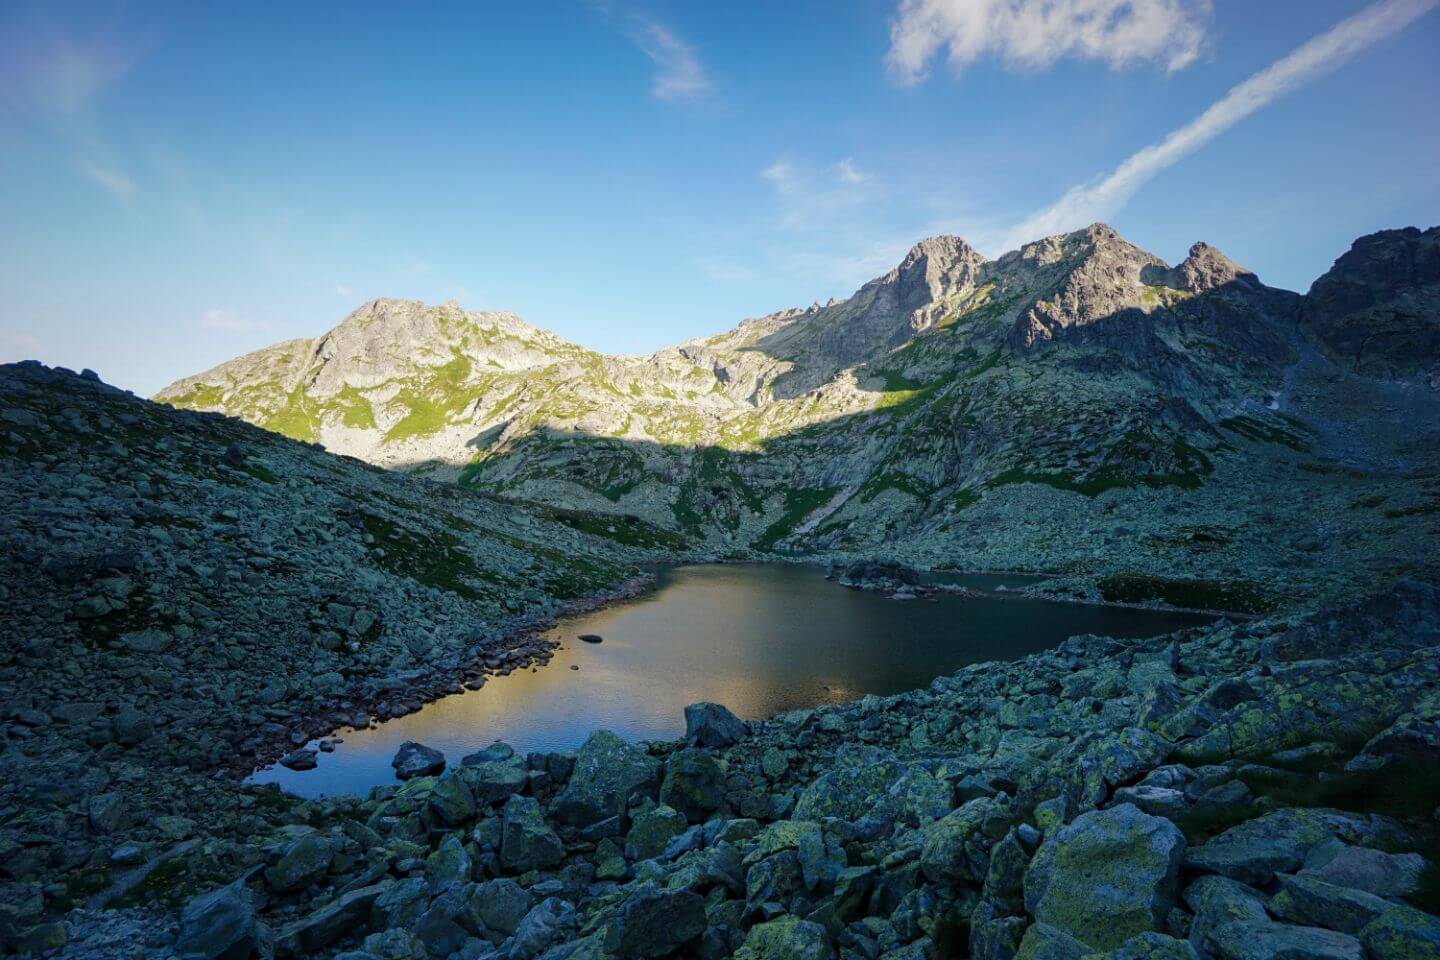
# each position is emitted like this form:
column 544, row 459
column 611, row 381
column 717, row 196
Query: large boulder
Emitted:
column 1279, row 842
column 452, row 802
column 694, row 784
column 493, row 781
column 220, row 925
column 1402, row 934
column 1109, row 875
column 1312, row 902
column 652, row 832
column 303, row 862
column 955, row 848
column 336, row 919
column 526, row 841
column 608, row 773
column 655, row 923
column 868, row 782
column 712, row 725
column 786, row 938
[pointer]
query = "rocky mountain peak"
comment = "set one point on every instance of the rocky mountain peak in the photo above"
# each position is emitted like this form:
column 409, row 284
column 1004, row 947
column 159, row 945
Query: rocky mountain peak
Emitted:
column 1206, row 268
column 1377, row 310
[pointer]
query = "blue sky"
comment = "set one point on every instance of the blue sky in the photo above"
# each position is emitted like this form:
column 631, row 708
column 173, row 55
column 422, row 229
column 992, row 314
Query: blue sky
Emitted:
column 181, row 183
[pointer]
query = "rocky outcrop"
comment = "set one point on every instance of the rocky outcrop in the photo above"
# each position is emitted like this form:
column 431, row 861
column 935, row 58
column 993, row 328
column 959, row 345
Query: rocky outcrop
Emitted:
column 1377, row 310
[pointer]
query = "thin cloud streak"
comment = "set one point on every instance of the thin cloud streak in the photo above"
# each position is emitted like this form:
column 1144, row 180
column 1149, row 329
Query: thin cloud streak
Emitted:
column 679, row 74
column 1327, row 52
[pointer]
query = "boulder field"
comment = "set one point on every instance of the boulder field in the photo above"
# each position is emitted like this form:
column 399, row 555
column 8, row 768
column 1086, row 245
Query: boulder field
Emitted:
column 1269, row 789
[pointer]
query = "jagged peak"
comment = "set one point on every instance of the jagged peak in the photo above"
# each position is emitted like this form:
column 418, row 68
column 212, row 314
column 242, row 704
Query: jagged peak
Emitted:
column 1205, row 268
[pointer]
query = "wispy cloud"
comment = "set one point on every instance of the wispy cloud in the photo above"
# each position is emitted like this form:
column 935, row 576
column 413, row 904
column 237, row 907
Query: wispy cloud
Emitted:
column 1034, row 34
column 1101, row 199
column 344, row 290
column 679, row 74
column 53, row 89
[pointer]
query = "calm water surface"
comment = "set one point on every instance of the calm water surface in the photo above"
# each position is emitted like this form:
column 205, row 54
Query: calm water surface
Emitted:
column 760, row 639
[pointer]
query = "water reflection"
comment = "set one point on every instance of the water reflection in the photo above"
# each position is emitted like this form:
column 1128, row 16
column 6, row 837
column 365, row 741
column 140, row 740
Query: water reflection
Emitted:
column 759, row 639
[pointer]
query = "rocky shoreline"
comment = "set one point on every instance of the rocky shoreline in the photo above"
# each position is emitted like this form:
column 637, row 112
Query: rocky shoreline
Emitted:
column 520, row 647
column 1211, row 794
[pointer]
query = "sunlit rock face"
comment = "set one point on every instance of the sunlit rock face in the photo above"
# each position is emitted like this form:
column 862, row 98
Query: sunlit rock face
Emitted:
column 1079, row 380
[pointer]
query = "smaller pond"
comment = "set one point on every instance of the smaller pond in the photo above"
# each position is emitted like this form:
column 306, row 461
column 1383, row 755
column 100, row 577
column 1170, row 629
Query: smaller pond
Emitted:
column 760, row 639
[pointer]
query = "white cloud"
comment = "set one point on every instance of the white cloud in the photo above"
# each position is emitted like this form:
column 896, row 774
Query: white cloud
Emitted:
column 1034, row 34
column 679, row 74
column 344, row 291
column 225, row 321
column 1099, row 200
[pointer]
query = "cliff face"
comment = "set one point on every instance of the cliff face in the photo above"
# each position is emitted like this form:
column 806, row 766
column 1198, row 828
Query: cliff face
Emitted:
column 1377, row 311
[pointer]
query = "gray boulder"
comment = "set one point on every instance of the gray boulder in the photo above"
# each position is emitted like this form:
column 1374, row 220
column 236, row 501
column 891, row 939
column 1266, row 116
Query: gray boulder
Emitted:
column 331, row 922
column 655, row 923
column 694, row 784
column 712, row 725
column 526, row 841
column 1312, row 902
column 220, row 925
column 1402, row 934
column 417, row 760
column 1109, row 875
column 608, row 773
column 303, row 862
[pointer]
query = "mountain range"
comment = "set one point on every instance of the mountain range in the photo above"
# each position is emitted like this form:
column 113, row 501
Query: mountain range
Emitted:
column 1080, row 395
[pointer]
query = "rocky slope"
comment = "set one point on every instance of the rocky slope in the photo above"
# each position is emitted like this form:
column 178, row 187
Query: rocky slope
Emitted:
column 185, row 592
column 1078, row 389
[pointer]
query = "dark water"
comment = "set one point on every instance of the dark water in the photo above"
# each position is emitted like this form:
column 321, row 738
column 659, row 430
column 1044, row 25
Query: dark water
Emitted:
column 759, row 639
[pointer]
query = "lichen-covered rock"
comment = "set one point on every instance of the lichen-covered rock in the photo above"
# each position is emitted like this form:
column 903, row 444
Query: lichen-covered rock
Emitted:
column 608, row 773
column 1154, row 946
column 1044, row 942
column 527, row 841
column 871, row 783
column 786, row 938
column 1312, row 902
column 1107, row 876
column 955, row 848
column 652, row 831
column 303, row 862
column 452, row 802
column 1268, row 940
column 329, row 923
column 1361, row 868
column 1402, row 933
column 1278, row 842
column 655, row 923
column 694, row 784
column 492, row 782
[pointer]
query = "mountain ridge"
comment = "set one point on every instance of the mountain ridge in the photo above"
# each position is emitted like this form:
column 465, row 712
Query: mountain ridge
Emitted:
column 947, row 395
